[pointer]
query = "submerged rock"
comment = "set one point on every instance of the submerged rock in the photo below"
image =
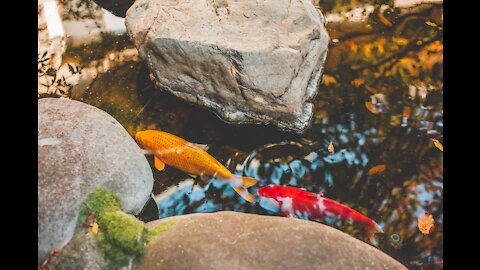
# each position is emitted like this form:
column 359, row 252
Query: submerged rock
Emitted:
column 230, row 240
column 116, row 7
column 81, row 148
column 249, row 61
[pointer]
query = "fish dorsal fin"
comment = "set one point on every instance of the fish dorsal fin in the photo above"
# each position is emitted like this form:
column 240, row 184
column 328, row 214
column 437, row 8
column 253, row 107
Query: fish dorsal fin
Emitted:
column 320, row 194
column 159, row 165
column 204, row 147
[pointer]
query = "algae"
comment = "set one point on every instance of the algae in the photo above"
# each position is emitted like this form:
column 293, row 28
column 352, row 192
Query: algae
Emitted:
column 121, row 236
column 155, row 232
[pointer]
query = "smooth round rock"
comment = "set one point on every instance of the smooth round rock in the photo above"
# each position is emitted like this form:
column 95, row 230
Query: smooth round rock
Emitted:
column 81, row 148
column 231, row 240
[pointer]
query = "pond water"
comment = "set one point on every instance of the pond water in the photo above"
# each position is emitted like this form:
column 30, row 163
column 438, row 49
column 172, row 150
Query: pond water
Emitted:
column 374, row 114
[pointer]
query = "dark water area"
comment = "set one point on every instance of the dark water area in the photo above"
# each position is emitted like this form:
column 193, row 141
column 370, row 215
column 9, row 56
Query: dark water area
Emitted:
column 395, row 129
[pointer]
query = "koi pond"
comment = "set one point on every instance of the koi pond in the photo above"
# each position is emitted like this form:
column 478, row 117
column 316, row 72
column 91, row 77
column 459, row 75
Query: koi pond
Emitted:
column 374, row 143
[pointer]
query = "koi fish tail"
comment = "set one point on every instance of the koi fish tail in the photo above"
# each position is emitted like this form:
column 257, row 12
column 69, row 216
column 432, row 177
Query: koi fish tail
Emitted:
column 240, row 185
column 242, row 181
column 372, row 230
column 245, row 194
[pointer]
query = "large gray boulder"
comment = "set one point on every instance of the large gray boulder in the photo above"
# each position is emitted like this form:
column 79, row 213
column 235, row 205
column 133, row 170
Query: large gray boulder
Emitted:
column 250, row 61
column 81, row 148
column 230, row 240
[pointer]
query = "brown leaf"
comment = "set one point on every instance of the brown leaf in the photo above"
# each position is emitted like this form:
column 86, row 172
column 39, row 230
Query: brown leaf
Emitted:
column 234, row 72
column 330, row 147
column 89, row 219
column 371, row 108
column 357, row 83
column 432, row 24
column 376, row 169
column 94, row 228
column 384, row 20
column 327, row 80
column 438, row 144
column 425, row 223
column 371, row 89
column 406, row 112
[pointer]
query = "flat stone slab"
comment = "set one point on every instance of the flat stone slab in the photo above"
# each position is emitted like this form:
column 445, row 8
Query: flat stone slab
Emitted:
column 249, row 61
column 231, row 240
column 81, row 148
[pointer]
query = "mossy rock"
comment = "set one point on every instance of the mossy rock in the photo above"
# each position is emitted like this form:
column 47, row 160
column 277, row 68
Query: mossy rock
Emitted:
column 121, row 236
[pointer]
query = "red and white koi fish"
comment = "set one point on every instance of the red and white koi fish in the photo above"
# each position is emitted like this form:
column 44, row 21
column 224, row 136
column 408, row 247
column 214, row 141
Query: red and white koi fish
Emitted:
column 299, row 203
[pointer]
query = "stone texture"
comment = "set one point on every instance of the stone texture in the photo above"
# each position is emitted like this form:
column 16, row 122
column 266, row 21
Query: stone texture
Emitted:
column 230, row 240
column 81, row 148
column 81, row 252
column 249, row 61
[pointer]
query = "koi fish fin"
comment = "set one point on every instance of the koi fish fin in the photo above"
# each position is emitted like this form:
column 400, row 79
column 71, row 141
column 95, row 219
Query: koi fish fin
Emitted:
column 371, row 231
column 248, row 181
column 288, row 214
column 193, row 176
column 147, row 152
column 159, row 165
column 204, row 147
column 242, row 181
column 245, row 194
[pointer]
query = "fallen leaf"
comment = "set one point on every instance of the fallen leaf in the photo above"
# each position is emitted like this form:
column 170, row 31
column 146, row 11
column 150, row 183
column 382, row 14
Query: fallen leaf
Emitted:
column 234, row 72
column 89, row 219
column 400, row 41
column 371, row 108
column 330, row 147
column 384, row 20
column 352, row 46
column 406, row 112
column 376, row 169
column 432, row 24
column 327, row 79
column 357, row 83
column 438, row 144
column 94, row 228
column 425, row 223
column 371, row 89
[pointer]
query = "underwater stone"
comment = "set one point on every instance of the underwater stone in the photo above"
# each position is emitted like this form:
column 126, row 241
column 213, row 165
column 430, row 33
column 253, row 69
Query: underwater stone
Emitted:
column 249, row 61
column 232, row 240
column 81, row 148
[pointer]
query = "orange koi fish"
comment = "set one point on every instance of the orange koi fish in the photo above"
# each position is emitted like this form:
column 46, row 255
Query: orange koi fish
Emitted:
column 187, row 157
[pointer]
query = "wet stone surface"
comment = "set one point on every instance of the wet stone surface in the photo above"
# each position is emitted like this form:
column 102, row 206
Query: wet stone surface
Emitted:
column 229, row 240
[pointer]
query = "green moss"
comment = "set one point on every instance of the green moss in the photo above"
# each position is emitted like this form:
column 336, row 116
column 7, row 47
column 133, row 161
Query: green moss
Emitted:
column 121, row 236
column 100, row 200
column 155, row 232
column 124, row 231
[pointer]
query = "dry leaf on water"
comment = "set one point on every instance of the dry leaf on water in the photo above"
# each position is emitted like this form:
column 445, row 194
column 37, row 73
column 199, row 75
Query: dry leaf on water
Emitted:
column 94, row 228
column 371, row 108
column 330, row 147
column 327, row 80
column 425, row 223
column 382, row 18
column 406, row 112
column 371, row 89
column 234, row 72
column 438, row 144
column 432, row 24
column 357, row 83
column 376, row 169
